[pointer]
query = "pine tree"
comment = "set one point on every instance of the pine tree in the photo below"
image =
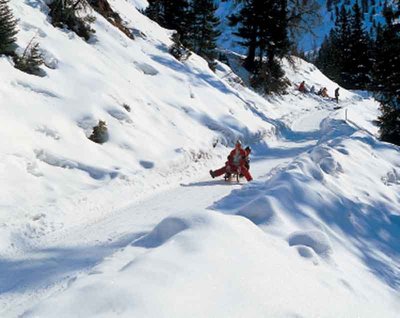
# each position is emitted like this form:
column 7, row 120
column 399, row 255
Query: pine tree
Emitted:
column 386, row 75
column 30, row 60
column 342, row 47
column 8, row 29
column 359, row 67
column 172, row 14
column 155, row 11
column 248, row 21
column 303, row 17
column 334, row 57
column 326, row 58
column 205, row 33
column 64, row 13
column 263, row 29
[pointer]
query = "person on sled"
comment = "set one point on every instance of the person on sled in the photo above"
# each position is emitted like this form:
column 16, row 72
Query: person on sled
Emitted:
column 324, row 92
column 302, row 87
column 236, row 163
column 247, row 151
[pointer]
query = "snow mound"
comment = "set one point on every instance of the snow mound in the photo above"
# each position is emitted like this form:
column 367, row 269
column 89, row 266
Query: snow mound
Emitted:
column 315, row 240
column 163, row 232
column 259, row 211
column 339, row 198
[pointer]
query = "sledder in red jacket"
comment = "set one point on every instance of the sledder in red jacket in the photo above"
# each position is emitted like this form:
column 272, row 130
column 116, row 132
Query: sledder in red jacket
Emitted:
column 236, row 163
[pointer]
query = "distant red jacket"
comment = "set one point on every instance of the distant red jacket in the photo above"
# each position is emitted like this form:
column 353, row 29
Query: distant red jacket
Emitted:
column 302, row 87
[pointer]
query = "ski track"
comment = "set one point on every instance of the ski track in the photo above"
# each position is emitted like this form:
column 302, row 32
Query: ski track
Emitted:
column 58, row 258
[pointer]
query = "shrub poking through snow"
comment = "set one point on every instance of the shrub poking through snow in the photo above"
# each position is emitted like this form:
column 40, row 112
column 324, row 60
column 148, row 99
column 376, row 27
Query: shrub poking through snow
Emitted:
column 177, row 50
column 8, row 29
column 66, row 13
column 30, row 60
column 127, row 107
column 100, row 133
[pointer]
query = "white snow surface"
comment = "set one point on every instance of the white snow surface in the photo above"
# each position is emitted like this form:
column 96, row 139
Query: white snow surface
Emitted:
column 136, row 228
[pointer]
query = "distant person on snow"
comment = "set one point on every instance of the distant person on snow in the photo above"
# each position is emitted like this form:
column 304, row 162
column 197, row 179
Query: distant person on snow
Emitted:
column 324, row 92
column 236, row 163
column 337, row 95
column 312, row 89
column 302, row 87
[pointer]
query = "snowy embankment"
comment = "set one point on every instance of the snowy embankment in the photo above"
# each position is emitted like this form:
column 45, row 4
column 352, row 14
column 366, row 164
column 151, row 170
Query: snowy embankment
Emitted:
column 164, row 118
column 93, row 230
column 314, row 238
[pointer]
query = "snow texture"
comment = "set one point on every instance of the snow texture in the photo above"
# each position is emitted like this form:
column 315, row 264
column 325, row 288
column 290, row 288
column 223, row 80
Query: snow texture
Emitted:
column 136, row 227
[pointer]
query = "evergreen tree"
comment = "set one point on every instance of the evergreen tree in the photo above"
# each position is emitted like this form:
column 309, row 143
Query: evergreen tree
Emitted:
column 172, row 14
column 341, row 41
column 326, row 58
column 303, row 17
column 386, row 75
column 334, row 57
column 30, row 60
column 64, row 13
column 248, row 22
column 205, row 33
column 155, row 11
column 8, row 29
column 263, row 29
column 275, row 42
column 359, row 67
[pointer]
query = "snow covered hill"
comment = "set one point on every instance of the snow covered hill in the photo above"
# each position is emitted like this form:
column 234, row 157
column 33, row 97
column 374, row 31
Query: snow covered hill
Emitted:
column 135, row 227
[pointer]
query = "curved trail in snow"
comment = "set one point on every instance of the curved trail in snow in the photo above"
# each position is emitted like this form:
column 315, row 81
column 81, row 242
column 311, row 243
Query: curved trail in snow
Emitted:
column 61, row 256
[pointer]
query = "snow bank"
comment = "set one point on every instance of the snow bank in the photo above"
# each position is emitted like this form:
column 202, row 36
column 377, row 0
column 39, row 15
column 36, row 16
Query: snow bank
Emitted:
column 166, row 119
column 316, row 239
column 337, row 204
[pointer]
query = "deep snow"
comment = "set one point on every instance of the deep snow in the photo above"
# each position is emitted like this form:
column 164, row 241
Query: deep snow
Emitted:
column 136, row 227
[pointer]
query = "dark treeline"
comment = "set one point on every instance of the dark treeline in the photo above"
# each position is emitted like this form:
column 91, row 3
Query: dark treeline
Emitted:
column 263, row 27
column 354, row 59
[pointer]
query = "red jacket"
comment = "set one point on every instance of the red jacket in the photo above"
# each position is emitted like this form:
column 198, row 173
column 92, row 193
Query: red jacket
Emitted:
column 237, row 157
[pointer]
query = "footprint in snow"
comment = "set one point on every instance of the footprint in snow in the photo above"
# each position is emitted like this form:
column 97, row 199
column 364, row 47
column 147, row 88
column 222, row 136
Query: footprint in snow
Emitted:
column 309, row 244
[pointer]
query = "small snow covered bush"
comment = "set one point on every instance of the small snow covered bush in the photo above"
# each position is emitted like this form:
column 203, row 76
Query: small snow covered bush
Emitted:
column 177, row 50
column 68, row 13
column 100, row 133
column 30, row 60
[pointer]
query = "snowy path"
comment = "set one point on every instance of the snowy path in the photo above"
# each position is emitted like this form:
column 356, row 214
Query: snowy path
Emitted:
column 88, row 253
column 60, row 256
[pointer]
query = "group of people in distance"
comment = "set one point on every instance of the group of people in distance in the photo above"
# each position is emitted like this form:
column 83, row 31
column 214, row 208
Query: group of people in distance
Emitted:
column 238, row 163
column 323, row 91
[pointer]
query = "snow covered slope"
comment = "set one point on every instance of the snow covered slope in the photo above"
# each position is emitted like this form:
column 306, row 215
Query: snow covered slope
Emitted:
column 313, row 237
column 178, row 113
column 135, row 227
